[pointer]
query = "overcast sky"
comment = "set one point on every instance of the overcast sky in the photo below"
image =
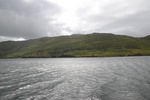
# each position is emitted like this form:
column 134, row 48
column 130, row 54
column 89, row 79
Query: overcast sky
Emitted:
column 27, row 19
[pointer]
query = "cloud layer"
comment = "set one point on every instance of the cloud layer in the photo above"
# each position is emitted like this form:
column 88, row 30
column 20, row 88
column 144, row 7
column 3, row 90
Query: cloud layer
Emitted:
column 26, row 19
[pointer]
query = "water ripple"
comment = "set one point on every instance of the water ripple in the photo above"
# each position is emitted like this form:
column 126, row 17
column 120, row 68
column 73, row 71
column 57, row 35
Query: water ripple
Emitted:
column 114, row 78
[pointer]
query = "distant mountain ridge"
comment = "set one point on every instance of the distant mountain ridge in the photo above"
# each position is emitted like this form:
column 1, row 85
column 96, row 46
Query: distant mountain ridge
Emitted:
column 89, row 45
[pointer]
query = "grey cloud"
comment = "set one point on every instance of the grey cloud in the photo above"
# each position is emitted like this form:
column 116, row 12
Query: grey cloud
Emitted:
column 134, row 25
column 39, row 18
column 22, row 7
column 129, row 18
column 28, row 20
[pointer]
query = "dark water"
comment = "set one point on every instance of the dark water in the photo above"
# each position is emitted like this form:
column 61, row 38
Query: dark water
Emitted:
column 114, row 78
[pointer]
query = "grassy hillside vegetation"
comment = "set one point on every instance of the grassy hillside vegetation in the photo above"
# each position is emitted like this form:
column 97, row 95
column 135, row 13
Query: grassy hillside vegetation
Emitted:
column 90, row 45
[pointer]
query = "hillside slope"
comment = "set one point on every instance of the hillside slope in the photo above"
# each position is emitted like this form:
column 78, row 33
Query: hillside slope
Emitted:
column 90, row 45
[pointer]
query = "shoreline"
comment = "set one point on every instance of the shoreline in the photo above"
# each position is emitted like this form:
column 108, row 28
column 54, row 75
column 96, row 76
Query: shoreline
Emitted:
column 75, row 57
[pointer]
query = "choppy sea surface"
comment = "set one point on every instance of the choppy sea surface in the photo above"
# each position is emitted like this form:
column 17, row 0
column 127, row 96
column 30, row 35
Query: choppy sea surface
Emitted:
column 112, row 78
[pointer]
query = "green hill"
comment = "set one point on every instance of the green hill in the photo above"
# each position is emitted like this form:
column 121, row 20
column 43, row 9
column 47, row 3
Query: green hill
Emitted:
column 90, row 45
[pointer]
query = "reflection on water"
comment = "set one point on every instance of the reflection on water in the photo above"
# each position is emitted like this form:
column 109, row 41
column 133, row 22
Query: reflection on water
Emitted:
column 114, row 78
